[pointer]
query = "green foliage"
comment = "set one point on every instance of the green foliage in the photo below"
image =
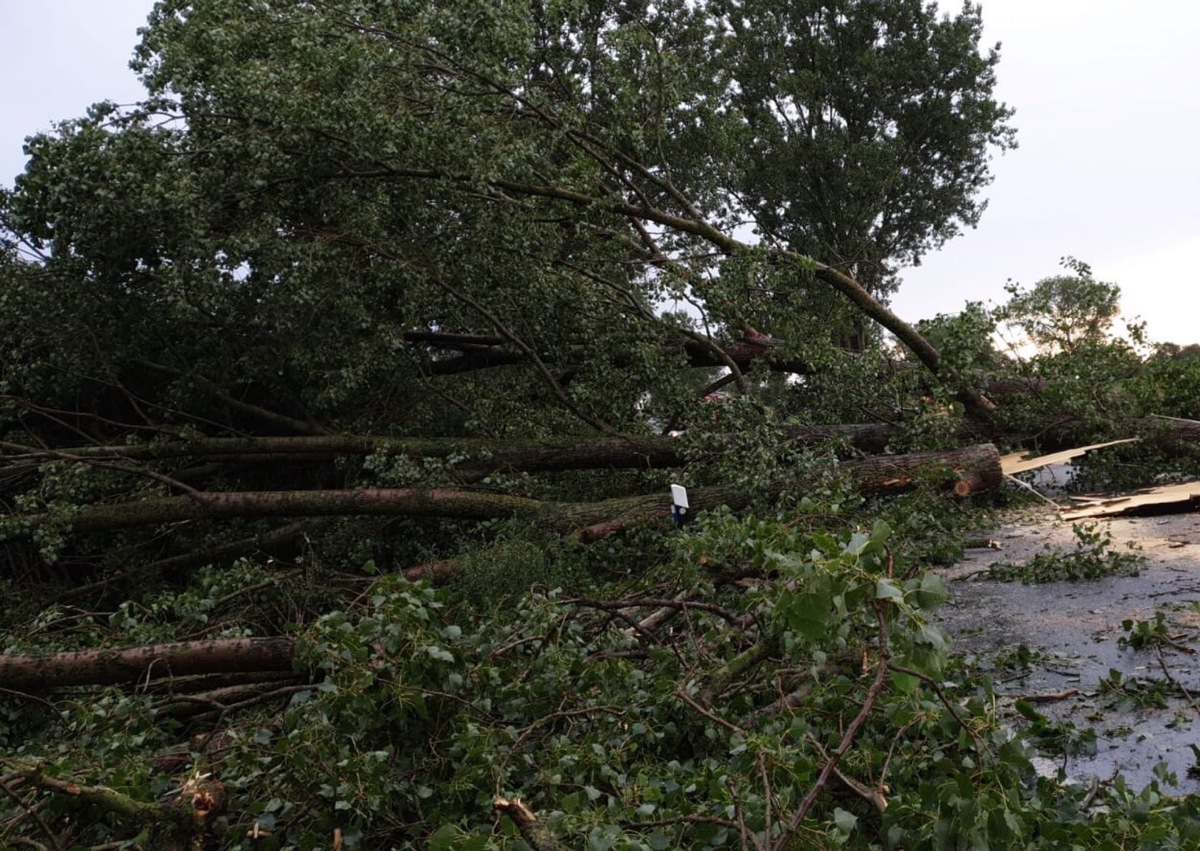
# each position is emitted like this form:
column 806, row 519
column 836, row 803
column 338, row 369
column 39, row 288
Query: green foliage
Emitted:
column 1060, row 737
column 1169, row 386
column 1127, row 693
column 1093, row 558
column 1143, row 634
column 850, row 154
column 965, row 340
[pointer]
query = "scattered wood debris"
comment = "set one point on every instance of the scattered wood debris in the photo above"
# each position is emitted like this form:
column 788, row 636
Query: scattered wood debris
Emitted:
column 1179, row 497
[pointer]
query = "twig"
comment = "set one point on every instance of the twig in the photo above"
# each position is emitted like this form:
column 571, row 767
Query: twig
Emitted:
column 768, row 816
column 937, row 689
column 877, row 797
column 1162, row 663
column 716, row 719
column 31, row 812
column 791, row 700
column 1034, row 491
column 1086, row 803
column 873, row 693
column 739, row 817
column 1049, row 697
column 671, row 822
column 26, row 696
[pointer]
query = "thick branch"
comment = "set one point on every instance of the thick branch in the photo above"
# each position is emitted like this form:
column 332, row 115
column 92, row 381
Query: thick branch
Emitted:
column 573, row 453
column 153, row 662
column 484, row 352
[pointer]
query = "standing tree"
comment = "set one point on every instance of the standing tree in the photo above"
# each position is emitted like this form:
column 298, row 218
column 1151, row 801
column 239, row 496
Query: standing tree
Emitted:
column 868, row 126
column 1065, row 313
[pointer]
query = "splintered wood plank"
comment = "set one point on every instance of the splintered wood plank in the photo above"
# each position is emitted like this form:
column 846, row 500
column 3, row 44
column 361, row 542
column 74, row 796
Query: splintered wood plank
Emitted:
column 1020, row 462
column 1183, row 496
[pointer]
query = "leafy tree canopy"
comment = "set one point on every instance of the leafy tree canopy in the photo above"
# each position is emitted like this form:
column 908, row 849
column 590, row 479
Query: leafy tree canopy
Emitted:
column 1066, row 312
column 550, row 174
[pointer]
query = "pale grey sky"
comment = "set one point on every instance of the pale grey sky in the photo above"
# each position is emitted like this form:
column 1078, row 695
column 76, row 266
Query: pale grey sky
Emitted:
column 1107, row 94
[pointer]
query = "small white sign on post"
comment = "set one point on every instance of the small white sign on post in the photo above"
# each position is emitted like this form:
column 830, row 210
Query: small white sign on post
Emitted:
column 679, row 504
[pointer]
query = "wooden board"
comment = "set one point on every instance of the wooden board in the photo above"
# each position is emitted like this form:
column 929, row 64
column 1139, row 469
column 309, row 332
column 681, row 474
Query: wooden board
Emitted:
column 1020, row 462
column 1182, row 496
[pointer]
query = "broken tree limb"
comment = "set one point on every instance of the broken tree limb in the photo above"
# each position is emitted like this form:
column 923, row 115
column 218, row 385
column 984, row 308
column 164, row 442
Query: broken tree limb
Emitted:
column 479, row 351
column 960, row 472
column 532, row 831
column 186, row 816
column 258, row 412
column 151, row 662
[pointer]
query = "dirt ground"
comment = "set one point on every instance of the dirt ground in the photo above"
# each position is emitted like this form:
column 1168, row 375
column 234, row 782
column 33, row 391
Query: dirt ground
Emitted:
column 1071, row 631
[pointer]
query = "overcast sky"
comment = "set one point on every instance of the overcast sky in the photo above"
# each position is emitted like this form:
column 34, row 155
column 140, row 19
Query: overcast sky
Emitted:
column 1107, row 94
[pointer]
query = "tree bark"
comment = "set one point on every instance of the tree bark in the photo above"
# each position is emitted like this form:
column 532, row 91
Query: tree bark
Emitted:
column 139, row 664
column 973, row 469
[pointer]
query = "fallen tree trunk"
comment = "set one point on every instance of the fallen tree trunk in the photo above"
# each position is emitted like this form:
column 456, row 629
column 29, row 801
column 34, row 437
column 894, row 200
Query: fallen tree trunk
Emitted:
column 141, row 664
column 485, row 456
column 962, row 472
column 972, row 469
column 1166, row 436
column 969, row 470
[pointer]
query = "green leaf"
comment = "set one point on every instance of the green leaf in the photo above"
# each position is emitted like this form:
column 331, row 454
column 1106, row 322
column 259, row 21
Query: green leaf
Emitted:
column 933, row 636
column 932, row 592
column 886, row 589
column 443, row 839
column 845, row 821
column 857, row 543
column 807, row 612
column 904, row 683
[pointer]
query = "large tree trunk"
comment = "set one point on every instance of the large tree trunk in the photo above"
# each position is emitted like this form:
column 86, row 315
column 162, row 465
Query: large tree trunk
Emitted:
column 967, row 470
column 973, row 469
column 960, row 472
column 480, row 351
column 142, row 664
column 531, row 456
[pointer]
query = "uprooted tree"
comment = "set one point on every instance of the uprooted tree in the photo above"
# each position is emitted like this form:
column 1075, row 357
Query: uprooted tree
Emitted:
column 366, row 297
